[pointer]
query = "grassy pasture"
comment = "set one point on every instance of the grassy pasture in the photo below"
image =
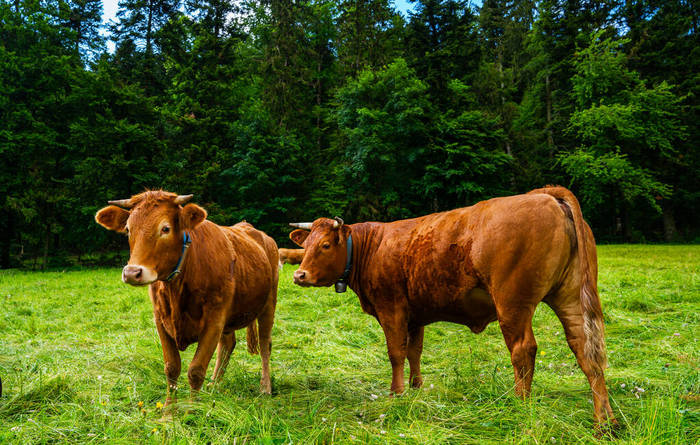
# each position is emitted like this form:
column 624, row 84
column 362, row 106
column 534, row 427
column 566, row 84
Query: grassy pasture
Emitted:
column 80, row 362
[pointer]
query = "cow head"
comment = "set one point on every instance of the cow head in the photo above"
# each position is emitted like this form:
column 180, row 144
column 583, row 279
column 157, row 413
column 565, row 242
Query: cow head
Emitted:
column 154, row 223
column 325, row 251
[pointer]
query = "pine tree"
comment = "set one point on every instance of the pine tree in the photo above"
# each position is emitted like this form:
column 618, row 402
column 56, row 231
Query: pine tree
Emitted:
column 441, row 40
column 140, row 20
column 368, row 34
column 664, row 42
column 84, row 18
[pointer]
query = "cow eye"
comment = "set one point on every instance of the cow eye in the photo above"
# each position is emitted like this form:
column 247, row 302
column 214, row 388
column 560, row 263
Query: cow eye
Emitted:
column 326, row 245
column 165, row 229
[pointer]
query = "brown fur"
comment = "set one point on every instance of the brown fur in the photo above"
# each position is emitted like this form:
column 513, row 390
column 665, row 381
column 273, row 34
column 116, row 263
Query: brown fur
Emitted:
column 492, row 261
column 252, row 338
column 291, row 256
column 228, row 282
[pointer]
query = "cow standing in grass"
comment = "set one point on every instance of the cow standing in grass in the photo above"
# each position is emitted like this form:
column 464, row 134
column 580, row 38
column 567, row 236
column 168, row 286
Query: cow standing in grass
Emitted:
column 492, row 261
column 205, row 281
column 291, row 256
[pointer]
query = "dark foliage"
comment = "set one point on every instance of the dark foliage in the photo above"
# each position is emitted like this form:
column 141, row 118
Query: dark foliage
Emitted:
column 275, row 111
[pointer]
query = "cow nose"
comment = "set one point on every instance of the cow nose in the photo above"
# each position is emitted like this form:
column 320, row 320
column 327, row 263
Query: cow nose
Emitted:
column 299, row 276
column 132, row 274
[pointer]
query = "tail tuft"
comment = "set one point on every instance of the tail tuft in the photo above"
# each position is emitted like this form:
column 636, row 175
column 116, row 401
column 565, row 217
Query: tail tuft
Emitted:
column 252, row 337
column 593, row 327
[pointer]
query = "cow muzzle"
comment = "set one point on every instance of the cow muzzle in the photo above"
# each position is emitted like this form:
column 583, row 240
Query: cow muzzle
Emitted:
column 301, row 278
column 138, row 275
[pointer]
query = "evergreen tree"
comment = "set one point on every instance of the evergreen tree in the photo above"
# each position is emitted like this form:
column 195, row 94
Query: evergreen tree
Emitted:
column 383, row 121
column 84, row 18
column 629, row 132
column 135, row 34
column 273, row 110
column 368, row 34
column 140, row 20
column 499, row 84
column 664, row 46
column 441, row 39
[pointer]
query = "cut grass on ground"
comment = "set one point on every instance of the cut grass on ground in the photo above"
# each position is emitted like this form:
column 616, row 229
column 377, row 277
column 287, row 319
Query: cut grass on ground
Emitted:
column 80, row 362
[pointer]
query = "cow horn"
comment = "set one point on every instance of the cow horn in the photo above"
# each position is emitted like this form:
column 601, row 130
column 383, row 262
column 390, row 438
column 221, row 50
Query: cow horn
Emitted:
column 182, row 199
column 126, row 203
column 338, row 222
column 301, row 225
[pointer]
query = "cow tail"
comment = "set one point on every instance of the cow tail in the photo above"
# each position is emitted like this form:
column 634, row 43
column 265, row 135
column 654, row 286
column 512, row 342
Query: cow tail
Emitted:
column 252, row 337
column 593, row 326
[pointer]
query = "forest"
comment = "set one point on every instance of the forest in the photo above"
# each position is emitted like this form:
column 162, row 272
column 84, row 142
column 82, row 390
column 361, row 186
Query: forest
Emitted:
column 287, row 110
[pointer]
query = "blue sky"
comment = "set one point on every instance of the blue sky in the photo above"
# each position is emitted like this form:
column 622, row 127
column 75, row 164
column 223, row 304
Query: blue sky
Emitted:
column 403, row 5
column 109, row 10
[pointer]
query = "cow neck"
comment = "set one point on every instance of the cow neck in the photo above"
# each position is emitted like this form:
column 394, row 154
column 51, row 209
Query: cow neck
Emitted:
column 186, row 242
column 363, row 245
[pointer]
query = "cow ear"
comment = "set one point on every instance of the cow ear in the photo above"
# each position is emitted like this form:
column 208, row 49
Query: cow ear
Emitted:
column 112, row 218
column 299, row 236
column 192, row 215
column 345, row 232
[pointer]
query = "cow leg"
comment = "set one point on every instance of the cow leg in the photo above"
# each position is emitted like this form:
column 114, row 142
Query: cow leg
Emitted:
column 265, row 321
column 516, row 326
column 395, row 329
column 571, row 318
column 414, row 351
column 223, row 354
column 202, row 356
column 171, row 358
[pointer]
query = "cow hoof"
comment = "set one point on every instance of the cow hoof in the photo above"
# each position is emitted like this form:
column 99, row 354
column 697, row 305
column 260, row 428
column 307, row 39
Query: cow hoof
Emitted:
column 168, row 413
column 609, row 429
column 396, row 392
column 417, row 382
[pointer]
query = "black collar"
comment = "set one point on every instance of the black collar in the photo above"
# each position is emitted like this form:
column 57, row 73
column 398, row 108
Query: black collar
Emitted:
column 342, row 284
column 186, row 241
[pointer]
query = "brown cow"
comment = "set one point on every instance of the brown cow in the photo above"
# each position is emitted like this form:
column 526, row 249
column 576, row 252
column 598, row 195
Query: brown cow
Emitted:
column 291, row 256
column 492, row 261
column 205, row 281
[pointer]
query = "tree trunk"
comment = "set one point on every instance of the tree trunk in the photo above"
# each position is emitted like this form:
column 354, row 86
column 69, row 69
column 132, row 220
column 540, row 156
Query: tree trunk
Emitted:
column 626, row 222
column 319, row 93
column 149, row 28
column 6, row 236
column 78, row 37
column 670, row 230
column 550, row 138
column 46, row 246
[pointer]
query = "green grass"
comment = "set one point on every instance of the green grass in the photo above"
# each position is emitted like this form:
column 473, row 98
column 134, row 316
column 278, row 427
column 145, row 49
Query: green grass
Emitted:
column 79, row 351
